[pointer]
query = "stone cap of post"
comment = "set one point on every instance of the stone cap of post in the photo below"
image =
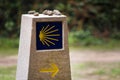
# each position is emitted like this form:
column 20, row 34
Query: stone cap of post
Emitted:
column 43, row 16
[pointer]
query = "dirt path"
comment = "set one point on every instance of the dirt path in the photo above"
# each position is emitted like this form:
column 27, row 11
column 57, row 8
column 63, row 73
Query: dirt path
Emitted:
column 94, row 65
column 6, row 61
column 76, row 56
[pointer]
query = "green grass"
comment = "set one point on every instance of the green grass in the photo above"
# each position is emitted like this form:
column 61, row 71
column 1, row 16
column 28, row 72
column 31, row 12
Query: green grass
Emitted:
column 110, row 45
column 7, row 73
column 6, row 43
column 8, row 46
column 8, row 52
column 100, row 72
column 90, row 70
column 115, row 72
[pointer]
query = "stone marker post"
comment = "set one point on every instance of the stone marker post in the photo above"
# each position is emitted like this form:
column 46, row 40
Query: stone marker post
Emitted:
column 43, row 49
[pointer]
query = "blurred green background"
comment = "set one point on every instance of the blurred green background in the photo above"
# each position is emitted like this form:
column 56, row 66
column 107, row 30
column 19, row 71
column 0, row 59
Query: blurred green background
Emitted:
column 93, row 25
column 90, row 22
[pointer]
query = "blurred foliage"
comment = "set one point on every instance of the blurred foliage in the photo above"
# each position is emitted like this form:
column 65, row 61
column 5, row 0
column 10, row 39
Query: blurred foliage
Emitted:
column 100, row 17
column 84, row 38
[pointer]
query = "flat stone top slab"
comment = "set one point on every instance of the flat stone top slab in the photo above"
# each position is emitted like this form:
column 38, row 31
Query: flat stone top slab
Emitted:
column 43, row 16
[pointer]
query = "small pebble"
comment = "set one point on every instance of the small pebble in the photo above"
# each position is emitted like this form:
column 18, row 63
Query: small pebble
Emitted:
column 31, row 12
column 49, row 12
column 56, row 12
column 36, row 14
column 45, row 12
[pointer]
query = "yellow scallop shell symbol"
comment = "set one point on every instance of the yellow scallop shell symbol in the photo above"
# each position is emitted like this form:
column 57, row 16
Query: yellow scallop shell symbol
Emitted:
column 46, row 35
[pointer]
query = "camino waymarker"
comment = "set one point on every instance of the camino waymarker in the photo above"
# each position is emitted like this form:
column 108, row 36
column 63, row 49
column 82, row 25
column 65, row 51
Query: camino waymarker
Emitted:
column 43, row 50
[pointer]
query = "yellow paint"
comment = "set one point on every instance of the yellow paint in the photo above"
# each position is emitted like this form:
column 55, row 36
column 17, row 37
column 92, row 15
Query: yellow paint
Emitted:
column 53, row 69
column 42, row 36
column 45, row 35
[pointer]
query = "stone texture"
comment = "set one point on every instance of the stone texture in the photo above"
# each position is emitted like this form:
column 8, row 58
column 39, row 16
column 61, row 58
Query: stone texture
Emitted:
column 36, row 14
column 24, row 49
column 30, row 60
column 56, row 12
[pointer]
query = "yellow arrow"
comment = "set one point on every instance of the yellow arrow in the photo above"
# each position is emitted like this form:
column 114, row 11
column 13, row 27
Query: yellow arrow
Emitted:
column 54, row 70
